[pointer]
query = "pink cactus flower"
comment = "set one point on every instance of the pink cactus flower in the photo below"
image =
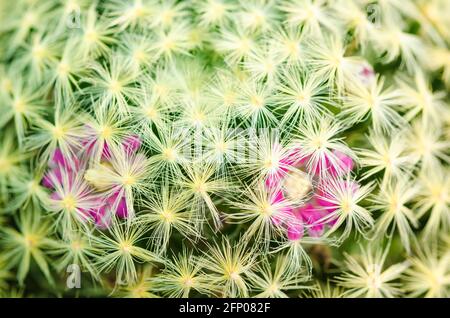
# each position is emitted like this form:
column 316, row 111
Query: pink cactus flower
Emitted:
column 285, row 211
column 64, row 173
column 302, row 188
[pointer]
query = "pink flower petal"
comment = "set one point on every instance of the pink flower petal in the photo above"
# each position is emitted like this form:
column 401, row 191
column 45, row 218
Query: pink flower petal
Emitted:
column 311, row 215
column 49, row 178
column 324, row 200
column 122, row 210
column 102, row 217
column 55, row 196
column 345, row 162
column 295, row 231
column 336, row 164
column 131, row 143
column 294, row 158
column 57, row 159
column 119, row 204
column 106, row 152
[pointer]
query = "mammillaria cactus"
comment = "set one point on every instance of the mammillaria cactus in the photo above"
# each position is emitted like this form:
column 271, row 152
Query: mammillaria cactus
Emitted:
column 225, row 148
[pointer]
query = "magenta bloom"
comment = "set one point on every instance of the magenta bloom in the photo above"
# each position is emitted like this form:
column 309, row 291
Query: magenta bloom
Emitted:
column 301, row 186
column 65, row 174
